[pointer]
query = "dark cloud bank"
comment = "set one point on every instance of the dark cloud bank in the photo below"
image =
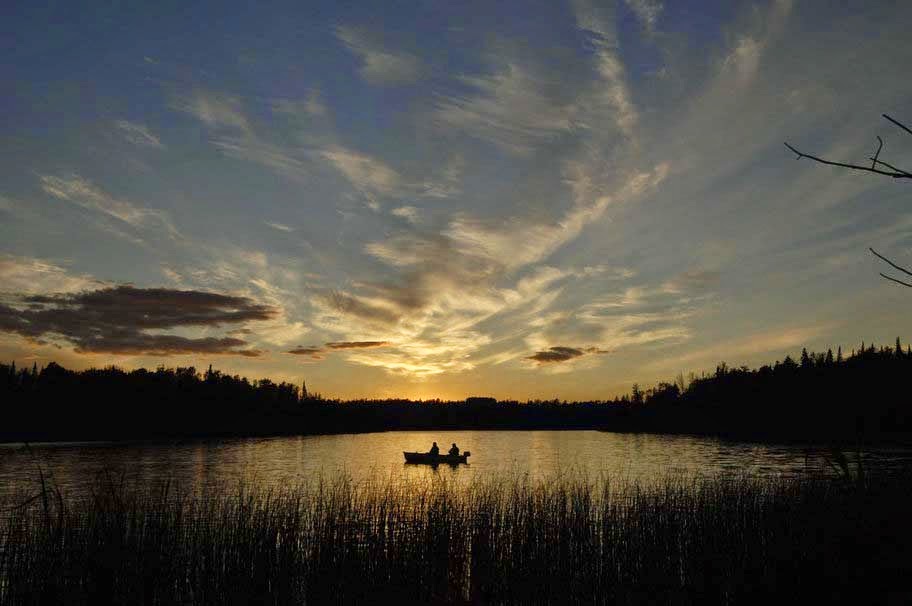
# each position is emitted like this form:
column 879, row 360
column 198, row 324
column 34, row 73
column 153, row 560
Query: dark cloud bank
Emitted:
column 313, row 351
column 119, row 319
column 561, row 354
column 356, row 344
column 316, row 352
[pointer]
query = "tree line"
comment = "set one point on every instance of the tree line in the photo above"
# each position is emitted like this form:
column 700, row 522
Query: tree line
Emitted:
column 821, row 396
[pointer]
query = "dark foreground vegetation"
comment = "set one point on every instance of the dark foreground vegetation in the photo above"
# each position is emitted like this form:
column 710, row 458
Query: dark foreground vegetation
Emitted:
column 563, row 540
column 822, row 396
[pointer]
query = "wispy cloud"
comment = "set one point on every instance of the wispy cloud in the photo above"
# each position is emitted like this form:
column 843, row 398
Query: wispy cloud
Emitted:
column 609, row 100
column 82, row 192
column 214, row 109
column 521, row 242
column 647, row 11
column 29, row 275
column 368, row 175
column 778, row 340
column 692, row 280
column 312, row 106
column 508, row 108
column 138, row 134
column 409, row 213
column 448, row 283
column 378, row 64
column 272, row 156
column 446, row 183
column 279, row 226
column 233, row 134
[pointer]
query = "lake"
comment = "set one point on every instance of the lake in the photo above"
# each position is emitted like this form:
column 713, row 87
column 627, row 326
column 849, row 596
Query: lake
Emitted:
column 274, row 462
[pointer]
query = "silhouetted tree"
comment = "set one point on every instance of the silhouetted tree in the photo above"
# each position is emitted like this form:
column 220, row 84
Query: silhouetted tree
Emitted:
column 821, row 399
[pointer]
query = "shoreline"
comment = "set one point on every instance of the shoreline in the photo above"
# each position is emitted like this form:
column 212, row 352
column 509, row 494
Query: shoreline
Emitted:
column 884, row 440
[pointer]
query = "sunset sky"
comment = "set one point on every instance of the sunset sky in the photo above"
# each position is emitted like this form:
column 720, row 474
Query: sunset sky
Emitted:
column 422, row 199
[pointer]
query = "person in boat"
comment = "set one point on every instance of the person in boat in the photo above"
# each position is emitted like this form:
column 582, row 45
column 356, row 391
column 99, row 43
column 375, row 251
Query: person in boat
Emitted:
column 435, row 450
column 454, row 450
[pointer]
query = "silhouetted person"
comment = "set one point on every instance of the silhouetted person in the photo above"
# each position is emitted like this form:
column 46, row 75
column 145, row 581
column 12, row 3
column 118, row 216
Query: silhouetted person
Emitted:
column 454, row 450
column 434, row 450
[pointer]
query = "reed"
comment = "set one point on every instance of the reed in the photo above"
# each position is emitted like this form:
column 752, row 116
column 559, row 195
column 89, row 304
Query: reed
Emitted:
column 565, row 539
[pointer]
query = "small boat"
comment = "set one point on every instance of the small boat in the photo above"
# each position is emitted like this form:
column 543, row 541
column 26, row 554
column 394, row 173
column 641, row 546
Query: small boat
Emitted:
column 426, row 458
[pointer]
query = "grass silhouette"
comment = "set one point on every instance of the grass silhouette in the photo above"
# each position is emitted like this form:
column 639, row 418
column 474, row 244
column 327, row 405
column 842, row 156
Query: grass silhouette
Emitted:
column 565, row 539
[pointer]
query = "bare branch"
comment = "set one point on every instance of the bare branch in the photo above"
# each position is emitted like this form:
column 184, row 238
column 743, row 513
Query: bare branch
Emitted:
column 890, row 263
column 891, row 167
column 875, row 160
column 894, row 266
column 896, row 174
column 895, row 280
column 898, row 123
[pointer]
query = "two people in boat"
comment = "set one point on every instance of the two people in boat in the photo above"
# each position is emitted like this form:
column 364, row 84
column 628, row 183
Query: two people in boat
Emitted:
column 435, row 450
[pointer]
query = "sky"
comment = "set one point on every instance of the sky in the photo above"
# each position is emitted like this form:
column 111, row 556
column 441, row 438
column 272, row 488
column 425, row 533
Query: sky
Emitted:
column 444, row 199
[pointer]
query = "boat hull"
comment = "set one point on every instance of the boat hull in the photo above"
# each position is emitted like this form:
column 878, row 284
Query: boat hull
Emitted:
column 424, row 458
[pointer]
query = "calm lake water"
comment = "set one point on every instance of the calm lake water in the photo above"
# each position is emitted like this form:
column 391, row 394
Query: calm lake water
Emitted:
column 274, row 462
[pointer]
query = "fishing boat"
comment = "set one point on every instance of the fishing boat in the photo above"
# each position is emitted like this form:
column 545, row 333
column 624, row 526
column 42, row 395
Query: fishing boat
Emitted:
column 426, row 458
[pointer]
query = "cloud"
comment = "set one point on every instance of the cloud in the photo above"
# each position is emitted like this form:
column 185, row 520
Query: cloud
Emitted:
column 138, row 134
column 362, row 308
column 268, row 278
column 125, row 320
column 509, row 109
column 234, row 136
column 311, row 351
column 633, row 317
column 520, row 242
column 367, row 174
column 312, row 106
column 446, row 183
column 356, row 344
column 409, row 213
column 28, row 275
column 318, row 353
column 250, row 148
column 647, row 11
column 82, row 192
column 279, row 226
column 609, row 100
column 448, row 290
column 379, row 65
column 692, row 280
column 556, row 354
column 446, row 285
column 215, row 110
column 777, row 339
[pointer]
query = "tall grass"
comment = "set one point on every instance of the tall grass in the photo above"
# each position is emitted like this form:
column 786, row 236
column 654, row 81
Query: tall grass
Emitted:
column 568, row 539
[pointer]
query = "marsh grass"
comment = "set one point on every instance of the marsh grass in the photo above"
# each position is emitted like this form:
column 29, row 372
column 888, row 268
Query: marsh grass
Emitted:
column 567, row 539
